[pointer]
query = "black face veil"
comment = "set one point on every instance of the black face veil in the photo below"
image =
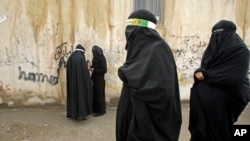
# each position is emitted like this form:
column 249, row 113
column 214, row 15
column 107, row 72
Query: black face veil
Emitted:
column 222, row 39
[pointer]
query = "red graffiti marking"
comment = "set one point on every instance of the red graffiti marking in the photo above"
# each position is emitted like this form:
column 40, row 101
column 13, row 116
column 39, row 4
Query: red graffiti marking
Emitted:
column 116, row 34
column 7, row 88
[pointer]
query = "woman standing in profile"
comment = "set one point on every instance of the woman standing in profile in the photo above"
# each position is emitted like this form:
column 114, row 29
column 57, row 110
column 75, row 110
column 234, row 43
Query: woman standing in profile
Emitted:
column 98, row 69
column 149, row 107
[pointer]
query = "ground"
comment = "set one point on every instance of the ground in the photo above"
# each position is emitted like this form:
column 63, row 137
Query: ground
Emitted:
column 51, row 124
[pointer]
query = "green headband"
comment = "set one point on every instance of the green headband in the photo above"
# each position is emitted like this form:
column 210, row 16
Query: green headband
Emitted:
column 141, row 22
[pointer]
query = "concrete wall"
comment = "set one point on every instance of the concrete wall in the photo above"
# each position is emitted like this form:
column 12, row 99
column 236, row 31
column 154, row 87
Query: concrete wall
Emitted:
column 37, row 37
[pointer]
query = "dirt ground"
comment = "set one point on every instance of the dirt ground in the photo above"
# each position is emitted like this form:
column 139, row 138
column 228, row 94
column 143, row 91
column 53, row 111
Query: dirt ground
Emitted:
column 51, row 124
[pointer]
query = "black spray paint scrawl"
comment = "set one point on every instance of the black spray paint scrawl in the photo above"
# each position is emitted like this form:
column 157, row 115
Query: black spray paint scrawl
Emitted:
column 37, row 77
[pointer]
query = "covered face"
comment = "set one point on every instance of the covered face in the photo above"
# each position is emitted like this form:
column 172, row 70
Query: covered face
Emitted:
column 150, row 84
column 220, row 31
column 223, row 39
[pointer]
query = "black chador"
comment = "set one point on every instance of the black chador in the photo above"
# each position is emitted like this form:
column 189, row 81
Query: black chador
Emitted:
column 99, row 68
column 79, row 87
column 149, row 107
column 218, row 99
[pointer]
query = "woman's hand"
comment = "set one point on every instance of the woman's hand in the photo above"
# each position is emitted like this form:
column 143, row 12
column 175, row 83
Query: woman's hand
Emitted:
column 91, row 69
column 199, row 75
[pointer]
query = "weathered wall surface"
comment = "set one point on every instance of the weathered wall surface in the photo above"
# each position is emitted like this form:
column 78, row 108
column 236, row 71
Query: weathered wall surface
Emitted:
column 37, row 36
column 187, row 28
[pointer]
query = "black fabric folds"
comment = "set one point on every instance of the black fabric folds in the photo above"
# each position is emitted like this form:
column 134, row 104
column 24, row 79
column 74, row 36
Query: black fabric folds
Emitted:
column 149, row 107
column 217, row 101
column 79, row 87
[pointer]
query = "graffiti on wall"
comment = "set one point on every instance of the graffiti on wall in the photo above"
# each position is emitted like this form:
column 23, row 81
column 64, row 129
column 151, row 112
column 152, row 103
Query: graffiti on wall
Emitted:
column 7, row 59
column 62, row 53
column 116, row 34
column 4, row 88
column 4, row 92
column 188, row 51
column 22, row 53
column 37, row 77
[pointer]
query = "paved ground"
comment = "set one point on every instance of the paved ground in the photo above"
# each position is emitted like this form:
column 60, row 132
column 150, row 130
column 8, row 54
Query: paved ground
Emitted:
column 51, row 124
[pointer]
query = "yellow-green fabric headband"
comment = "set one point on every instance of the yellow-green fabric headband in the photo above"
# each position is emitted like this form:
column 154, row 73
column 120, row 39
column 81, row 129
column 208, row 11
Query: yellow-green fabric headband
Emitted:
column 141, row 22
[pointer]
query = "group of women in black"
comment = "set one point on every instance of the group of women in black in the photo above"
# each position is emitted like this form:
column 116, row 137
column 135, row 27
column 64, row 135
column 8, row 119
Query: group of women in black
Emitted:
column 149, row 108
column 86, row 85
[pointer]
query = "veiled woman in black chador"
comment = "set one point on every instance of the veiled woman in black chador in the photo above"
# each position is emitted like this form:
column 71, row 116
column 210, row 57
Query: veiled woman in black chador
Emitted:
column 79, row 87
column 149, row 107
column 98, row 68
column 221, row 89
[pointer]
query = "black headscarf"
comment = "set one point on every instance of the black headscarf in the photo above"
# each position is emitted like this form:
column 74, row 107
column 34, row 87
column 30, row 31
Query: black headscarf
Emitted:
column 80, row 47
column 97, row 51
column 149, row 106
column 99, row 61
